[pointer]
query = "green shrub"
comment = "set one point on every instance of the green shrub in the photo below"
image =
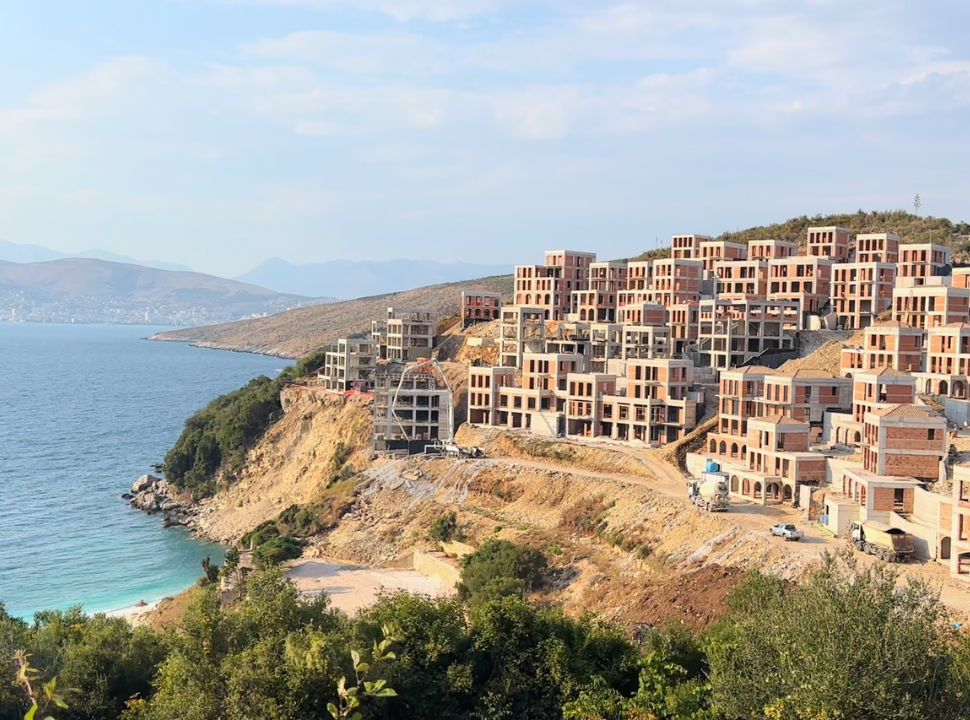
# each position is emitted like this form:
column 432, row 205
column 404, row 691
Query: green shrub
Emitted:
column 500, row 569
column 444, row 528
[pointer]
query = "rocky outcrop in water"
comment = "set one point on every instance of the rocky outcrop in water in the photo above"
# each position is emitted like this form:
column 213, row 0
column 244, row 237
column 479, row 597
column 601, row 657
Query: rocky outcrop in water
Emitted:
column 152, row 495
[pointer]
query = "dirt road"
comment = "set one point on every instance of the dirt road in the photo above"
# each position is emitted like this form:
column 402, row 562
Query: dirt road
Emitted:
column 668, row 480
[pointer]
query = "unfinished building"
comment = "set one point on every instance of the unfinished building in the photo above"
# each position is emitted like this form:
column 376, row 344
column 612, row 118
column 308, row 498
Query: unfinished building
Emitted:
column 479, row 307
column 862, row 291
column 919, row 261
column 830, row 242
column 886, row 344
column 731, row 333
column 550, row 285
column 405, row 336
column 523, row 330
column 348, row 365
column 932, row 304
column 413, row 407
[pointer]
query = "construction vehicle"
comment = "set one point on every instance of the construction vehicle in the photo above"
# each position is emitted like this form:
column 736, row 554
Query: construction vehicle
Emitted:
column 453, row 450
column 711, row 490
column 885, row 542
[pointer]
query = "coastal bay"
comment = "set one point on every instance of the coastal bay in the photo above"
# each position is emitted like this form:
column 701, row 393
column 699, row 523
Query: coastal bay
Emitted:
column 86, row 409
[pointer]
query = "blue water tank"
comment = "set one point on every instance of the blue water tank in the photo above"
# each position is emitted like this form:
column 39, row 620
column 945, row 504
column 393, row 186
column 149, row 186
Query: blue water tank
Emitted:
column 712, row 466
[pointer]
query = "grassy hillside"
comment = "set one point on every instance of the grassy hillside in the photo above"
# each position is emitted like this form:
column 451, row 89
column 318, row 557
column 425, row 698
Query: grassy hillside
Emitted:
column 911, row 228
column 298, row 332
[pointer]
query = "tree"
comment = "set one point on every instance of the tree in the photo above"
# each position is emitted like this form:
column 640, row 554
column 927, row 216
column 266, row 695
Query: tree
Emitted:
column 847, row 643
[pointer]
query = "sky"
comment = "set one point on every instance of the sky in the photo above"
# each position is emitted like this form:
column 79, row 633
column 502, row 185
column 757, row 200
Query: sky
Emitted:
column 218, row 133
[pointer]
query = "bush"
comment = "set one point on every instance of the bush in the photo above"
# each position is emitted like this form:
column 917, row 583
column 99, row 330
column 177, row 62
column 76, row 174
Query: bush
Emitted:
column 848, row 643
column 500, row 569
column 444, row 528
column 271, row 547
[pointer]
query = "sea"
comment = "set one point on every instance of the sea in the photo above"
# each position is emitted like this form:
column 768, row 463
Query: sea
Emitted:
column 84, row 411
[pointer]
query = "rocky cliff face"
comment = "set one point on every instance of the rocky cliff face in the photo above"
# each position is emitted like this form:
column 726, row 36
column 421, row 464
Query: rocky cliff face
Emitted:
column 293, row 464
column 616, row 546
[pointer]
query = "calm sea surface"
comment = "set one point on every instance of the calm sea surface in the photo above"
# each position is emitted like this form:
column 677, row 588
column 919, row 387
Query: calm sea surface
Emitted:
column 85, row 410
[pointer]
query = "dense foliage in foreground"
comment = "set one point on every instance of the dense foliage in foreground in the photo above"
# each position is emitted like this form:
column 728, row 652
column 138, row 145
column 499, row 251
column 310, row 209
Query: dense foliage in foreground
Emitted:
column 218, row 436
column 847, row 644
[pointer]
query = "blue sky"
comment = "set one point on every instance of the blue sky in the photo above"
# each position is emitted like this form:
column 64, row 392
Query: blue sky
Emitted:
column 218, row 133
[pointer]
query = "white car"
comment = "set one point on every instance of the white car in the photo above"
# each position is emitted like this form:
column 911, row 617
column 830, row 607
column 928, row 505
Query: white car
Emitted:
column 787, row 531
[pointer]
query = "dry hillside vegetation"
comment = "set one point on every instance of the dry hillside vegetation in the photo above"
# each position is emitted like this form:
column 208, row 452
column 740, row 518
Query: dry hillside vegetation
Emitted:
column 295, row 333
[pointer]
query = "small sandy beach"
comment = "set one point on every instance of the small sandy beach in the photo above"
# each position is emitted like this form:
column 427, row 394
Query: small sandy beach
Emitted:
column 352, row 587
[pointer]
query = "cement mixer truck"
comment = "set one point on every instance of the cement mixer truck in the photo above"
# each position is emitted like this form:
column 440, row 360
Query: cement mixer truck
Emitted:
column 710, row 492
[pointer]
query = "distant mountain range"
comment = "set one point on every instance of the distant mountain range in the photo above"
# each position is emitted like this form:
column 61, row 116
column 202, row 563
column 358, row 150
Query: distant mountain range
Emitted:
column 354, row 279
column 20, row 253
column 96, row 291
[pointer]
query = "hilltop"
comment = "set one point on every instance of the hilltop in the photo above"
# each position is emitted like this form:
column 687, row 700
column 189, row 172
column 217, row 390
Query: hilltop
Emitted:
column 89, row 290
column 911, row 228
column 298, row 332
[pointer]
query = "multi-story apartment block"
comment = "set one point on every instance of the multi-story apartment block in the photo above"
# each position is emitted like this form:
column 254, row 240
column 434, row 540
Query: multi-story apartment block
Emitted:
column 778, row 461
column 862, row 291
column 877, row 248
column 645, row 342
column 771, row 249
column 732, row 333
column 739, row 399
column 687, row 247
column 676, row 281
column 644, row 313
column 714, row 251
column 904, row 441
column 413, row 407
column 683, row 323
column 947, row 361
column 484, row 386
column 480, row 306
column 829, row 242
column 805, row 395
column 598, row 301
column 657, row 406
column 802, row 279
column 551, row 285
column 932, row 304
column 406, row 337
column 523, row 330
column 882, row 386
column 348, row 365
column 631, row 298
column 886, row 344
column 584, row 402
column 741, row 279
column 650, row 401
column 919, row 261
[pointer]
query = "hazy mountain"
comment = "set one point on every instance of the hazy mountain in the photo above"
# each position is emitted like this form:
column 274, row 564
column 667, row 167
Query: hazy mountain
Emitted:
column 353, row 279
column 23, row 253
column 88, row 290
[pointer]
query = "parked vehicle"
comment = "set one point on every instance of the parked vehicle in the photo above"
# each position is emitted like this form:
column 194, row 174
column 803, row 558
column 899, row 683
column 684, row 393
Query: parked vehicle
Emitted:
column 710, row 492
column 885, row 542
column 787, row 531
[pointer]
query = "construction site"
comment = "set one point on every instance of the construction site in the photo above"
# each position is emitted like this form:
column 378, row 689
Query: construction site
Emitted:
column 648, row 432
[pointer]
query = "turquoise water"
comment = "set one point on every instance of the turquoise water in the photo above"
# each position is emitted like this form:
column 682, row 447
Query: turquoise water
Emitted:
column 85, row 410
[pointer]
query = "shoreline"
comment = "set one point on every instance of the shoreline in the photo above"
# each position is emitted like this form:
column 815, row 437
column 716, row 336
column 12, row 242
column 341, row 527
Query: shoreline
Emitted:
column 200, row 345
